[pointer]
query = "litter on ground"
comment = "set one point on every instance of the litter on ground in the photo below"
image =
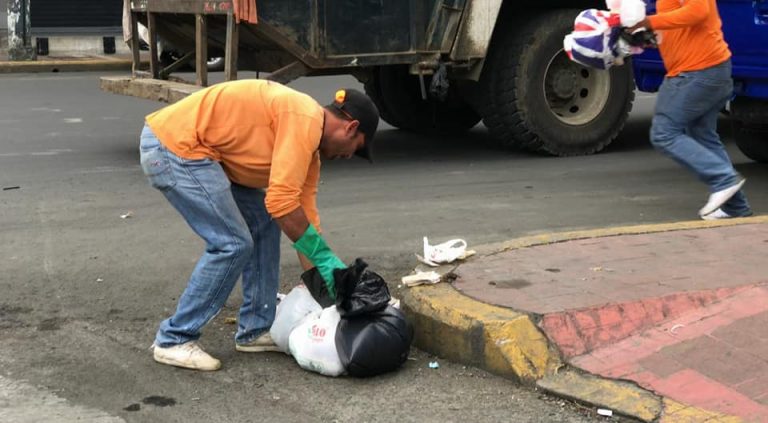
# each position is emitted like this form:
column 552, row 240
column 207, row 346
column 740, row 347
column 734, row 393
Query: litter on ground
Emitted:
column 445, row 253
column 421, row 278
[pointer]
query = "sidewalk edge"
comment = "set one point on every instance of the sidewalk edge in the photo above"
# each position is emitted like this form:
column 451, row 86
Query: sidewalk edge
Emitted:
column 65, row 65
column 505, row 342
column 551, row 238
column 621, row 397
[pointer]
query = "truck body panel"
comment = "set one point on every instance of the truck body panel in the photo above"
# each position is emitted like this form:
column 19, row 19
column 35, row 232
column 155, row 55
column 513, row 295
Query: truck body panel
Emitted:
column 475, row 30
column 745, row 25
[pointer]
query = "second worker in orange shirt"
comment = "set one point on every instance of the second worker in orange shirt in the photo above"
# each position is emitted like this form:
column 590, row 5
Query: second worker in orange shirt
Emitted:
column 697, row 86
column 240, row 161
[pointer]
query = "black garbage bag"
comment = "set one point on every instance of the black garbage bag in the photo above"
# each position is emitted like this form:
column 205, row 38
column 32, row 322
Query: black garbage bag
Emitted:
column 316, row 286
column 374, row 343
column 644, row 39
column 360, row 290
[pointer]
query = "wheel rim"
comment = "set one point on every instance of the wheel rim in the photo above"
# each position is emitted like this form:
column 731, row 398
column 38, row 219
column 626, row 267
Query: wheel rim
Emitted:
column 575, row 94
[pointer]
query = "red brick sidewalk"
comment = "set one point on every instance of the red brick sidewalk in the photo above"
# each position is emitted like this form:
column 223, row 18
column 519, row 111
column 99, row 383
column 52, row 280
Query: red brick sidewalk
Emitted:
column 682, row 313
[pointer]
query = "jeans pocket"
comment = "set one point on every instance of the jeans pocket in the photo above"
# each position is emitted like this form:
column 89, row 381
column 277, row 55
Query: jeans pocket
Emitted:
column 680, row 81
column 207, row 172
column 157, row 167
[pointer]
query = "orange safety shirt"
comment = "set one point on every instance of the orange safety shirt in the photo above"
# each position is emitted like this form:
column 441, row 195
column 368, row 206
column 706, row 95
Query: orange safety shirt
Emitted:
column 691, row 35
column 264, row 134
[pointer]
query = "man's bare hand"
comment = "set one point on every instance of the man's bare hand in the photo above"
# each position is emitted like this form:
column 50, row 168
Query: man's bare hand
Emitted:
column 645, row 25
column 293, row 224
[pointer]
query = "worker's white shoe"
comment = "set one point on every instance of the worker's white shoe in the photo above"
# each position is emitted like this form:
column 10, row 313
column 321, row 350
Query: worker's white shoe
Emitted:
column 263, row 343
column 718, row 198
column 189, row 356
column 717, row 215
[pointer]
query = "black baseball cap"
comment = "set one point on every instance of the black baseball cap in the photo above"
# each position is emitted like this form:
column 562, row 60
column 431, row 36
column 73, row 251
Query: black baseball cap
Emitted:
column 358, row 106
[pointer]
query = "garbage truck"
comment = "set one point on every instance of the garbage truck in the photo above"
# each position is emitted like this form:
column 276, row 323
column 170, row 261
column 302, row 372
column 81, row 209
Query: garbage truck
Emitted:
column 442, row 66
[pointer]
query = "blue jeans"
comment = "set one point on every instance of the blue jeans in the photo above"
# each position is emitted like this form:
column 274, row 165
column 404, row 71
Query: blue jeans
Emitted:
column 685, row 128
column 240, row 239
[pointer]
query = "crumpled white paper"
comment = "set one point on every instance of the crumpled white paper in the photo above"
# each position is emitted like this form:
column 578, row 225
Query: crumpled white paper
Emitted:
column 421, row 278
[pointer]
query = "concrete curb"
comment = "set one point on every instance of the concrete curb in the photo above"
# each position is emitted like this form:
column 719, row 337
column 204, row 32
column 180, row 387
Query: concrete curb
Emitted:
column 497, row 339
column 149, row 89
column 84, row 65
column 506, row 342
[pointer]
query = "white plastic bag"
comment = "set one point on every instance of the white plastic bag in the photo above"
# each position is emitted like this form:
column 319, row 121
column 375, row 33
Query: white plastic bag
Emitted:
column 313, row 343
column 613, row 5
column 290, row 311
column 632, row 12
column 447, row 252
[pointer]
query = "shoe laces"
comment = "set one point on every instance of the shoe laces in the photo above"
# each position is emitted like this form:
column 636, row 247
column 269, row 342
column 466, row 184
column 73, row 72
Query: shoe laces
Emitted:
column 192, row 348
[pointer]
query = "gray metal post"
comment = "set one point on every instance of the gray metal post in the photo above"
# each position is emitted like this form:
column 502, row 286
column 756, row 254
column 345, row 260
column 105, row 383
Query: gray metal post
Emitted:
column 19, row 31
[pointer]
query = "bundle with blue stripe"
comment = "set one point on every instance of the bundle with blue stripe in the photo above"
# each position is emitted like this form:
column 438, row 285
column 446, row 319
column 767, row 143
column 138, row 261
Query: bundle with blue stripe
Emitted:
column 598, row 39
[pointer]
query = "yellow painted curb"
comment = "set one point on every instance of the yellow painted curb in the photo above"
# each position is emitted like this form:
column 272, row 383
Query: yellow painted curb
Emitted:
column 501, row 340
column 497, row 339
column 675, row 412
column 550, row 238
column 620, row 397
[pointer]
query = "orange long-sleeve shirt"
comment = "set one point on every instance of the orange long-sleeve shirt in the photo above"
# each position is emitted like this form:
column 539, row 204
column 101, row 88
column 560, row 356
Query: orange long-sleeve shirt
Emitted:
column 691, row 35
column 264, row 134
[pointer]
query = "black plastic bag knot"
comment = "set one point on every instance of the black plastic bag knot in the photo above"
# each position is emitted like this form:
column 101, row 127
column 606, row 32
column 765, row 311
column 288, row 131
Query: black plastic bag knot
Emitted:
column 358, row 289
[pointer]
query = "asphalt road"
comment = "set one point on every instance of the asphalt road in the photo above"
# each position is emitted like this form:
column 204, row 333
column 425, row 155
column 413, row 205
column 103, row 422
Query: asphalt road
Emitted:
column 83, row 289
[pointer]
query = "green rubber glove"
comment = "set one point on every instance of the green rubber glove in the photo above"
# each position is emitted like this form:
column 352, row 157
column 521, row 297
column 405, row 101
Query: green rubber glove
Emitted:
column 313, row 246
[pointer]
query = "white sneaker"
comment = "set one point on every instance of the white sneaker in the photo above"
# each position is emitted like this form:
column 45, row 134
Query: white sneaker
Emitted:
column 717, row 199
column 189, row 356
column 263, row 343
column 717, row 215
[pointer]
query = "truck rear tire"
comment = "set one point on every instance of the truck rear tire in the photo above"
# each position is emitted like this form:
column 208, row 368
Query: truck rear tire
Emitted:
column 539, row 100
column 397, row 94
column 750, row 119
column 752, row 140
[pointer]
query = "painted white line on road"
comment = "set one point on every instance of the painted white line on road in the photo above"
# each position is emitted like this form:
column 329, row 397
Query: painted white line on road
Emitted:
column 109, row 169
column 38, row 153
column 46, row 78
column 44, row 109
column 73, row 120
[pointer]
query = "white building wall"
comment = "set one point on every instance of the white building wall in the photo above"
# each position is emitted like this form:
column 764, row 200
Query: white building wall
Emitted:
column 3, row 25
column 3, row 15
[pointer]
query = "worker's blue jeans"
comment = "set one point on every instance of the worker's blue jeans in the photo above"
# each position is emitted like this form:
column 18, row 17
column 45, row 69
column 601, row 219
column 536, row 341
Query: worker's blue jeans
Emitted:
column 240, row 239
column 685, row 128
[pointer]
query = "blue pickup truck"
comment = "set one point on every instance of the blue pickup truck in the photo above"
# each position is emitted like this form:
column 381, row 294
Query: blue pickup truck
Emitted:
column 745, row 25
column 444, row 65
